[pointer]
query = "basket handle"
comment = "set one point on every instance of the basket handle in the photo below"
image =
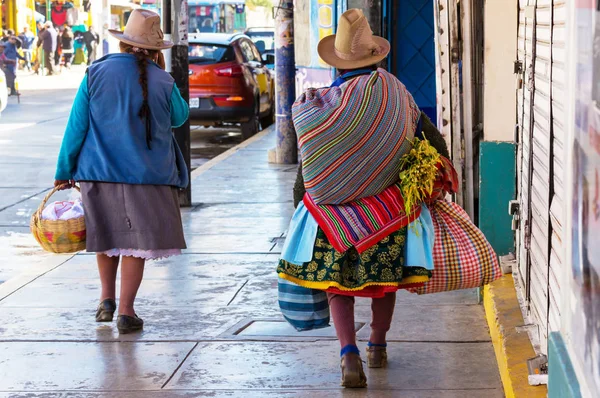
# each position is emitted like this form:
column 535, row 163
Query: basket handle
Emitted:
column 38, row 213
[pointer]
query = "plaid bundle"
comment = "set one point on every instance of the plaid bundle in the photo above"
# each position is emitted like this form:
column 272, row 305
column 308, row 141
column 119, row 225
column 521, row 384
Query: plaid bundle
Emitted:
column 462, row 256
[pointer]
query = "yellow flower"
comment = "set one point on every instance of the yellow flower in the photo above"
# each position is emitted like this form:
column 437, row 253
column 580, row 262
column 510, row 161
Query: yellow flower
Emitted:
column 365, row 257
column 387, row 275
column 362, row 273
column 335, row 267
column 395, row 251
column 310, row 277
column 399, row 239
column 328, row 259
column 384, row 258
column 312, row 266
column 321, row 274
column 319, row 255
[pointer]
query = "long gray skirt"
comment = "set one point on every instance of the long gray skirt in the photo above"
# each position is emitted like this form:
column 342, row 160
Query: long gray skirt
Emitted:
column 124, row 216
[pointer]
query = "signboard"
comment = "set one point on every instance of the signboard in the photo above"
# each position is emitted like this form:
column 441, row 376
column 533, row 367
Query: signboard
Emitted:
column 585, row 322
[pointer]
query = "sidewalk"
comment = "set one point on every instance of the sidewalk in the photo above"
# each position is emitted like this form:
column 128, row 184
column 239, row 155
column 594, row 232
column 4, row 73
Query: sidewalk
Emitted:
column 213, row 327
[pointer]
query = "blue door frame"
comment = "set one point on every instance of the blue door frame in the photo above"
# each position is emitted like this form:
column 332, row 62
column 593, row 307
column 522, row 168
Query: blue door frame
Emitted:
column 409, row 26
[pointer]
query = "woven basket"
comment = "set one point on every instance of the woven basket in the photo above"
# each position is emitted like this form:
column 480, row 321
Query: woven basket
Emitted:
column 60, row 236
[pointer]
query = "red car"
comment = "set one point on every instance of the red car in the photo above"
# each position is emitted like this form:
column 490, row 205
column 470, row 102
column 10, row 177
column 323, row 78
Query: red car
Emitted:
column 229, row 82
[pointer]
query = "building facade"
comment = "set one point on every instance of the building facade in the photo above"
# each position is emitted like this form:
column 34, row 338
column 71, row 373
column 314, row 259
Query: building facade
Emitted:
column 513, row 86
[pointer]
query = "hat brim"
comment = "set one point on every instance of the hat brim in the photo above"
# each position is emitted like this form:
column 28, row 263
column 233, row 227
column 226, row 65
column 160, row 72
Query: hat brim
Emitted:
column 117, row 34
column 326, row 50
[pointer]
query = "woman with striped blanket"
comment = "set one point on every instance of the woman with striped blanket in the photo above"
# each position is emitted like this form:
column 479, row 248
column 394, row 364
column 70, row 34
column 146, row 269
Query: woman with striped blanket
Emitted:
column 350, row 232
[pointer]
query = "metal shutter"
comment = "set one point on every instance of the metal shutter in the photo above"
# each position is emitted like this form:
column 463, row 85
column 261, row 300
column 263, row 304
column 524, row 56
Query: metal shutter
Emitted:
column 534, row 169
column 559, row 147
column 541, row 172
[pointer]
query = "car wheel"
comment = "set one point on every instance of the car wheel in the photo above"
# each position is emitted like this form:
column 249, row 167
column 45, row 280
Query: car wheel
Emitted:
column 252, row 126
column 269, row 119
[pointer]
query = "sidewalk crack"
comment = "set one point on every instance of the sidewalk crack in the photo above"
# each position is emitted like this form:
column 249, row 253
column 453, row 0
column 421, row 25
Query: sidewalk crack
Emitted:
column 179, row 366
column 238, row 291
column 25, row 199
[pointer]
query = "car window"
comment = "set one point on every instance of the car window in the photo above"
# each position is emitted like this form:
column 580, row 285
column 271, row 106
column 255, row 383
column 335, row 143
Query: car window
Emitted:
column 265, row 41
column 256, row 52
column 249, row 52
column 205, row 54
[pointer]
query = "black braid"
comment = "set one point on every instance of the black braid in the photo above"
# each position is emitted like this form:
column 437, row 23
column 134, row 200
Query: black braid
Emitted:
column 144, row 113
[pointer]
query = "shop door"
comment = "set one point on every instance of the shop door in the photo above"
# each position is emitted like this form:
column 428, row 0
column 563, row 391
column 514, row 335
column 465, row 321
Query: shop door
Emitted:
column 411, row 33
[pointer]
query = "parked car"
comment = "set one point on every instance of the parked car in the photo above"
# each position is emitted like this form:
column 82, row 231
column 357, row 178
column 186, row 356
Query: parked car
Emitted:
column 229, row 83
column 264, row 39
column 3, row 91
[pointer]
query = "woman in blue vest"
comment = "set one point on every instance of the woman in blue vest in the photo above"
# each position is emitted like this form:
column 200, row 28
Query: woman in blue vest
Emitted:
column 119, row 146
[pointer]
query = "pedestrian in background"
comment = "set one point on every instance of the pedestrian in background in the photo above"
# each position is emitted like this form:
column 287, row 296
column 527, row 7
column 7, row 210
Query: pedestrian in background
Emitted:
column 67, row 40
column 27, row 38
column 48, row 41
column 8, row 66
column 91, row 40
column 12, row 55
column 58, row 52
column 120, row 147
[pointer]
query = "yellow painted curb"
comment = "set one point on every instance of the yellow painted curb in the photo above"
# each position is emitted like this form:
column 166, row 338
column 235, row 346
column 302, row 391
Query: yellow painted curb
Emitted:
column 512, row 349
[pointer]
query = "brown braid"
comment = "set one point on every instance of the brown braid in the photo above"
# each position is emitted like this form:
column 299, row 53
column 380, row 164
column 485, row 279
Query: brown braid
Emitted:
column 142, row 62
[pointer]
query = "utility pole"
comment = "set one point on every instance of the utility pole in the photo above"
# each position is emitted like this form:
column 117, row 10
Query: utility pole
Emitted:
column 286, row 151
column 175, row 27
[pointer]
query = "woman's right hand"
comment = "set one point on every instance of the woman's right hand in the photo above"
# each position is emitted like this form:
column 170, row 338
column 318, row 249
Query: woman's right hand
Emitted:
column 64, row 184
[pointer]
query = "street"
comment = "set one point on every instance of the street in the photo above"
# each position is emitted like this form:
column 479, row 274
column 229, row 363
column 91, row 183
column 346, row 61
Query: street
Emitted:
column 213, row 326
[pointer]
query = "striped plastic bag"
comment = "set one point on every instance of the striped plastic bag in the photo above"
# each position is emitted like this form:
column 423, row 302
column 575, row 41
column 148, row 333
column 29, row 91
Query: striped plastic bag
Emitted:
column 462, row 256
column 304, row 309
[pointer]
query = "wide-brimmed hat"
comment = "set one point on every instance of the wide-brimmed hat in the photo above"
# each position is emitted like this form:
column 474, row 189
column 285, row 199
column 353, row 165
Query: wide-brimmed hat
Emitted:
column 143, row 31
column 354, row 45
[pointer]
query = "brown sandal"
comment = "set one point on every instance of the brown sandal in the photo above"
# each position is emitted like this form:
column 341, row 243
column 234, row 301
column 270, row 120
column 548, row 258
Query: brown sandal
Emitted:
column 376, row 357
column 353, row 375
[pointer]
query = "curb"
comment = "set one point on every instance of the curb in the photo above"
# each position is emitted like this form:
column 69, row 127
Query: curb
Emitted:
column 513, row 349
column 230, row 152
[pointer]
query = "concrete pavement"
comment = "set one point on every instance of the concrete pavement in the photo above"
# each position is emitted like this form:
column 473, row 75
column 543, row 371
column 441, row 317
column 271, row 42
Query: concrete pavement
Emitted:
column 30, row 136
column 213, row 327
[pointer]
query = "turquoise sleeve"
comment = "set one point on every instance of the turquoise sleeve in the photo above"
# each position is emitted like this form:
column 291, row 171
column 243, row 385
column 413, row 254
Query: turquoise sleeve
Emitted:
column 75, row 133
column 180, row 111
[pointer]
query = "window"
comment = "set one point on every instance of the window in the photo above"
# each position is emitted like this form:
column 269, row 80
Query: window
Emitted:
column 264, row 41
column 371, row 9
column 249, row 52
column 204, row 54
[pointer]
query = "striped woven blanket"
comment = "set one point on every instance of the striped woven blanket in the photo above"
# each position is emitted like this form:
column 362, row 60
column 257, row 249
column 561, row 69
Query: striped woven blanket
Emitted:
column 366, row 221
column 351, row 137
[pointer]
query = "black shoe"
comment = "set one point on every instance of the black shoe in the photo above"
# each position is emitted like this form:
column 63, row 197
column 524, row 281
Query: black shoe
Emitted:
column 127, row 324
column 106, row 310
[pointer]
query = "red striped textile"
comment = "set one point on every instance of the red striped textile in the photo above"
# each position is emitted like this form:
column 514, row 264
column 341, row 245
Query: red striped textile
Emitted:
column 363, row 222
column 366, row 221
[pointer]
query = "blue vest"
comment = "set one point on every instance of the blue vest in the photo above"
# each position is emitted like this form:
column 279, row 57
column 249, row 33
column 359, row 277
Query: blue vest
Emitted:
column 115, row 148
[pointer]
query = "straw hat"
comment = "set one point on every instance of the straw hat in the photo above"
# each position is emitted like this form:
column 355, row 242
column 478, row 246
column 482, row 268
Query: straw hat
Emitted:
column 354, row 45
column 143, row 31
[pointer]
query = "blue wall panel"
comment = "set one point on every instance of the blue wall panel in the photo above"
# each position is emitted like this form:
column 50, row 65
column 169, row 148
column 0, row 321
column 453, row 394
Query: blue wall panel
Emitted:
column 414, row 51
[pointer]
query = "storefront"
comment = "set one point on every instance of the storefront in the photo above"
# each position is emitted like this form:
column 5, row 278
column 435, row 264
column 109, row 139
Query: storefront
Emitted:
column 211, row 16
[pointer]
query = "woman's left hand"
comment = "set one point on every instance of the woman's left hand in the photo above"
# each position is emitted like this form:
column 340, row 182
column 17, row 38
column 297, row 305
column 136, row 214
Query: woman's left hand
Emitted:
column 64, row 184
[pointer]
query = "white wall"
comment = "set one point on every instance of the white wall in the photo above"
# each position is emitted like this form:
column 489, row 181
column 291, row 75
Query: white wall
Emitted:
column 499, row 81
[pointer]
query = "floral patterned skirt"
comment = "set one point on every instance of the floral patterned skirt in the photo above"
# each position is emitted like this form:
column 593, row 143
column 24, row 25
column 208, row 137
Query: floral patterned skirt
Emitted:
column 376, row 271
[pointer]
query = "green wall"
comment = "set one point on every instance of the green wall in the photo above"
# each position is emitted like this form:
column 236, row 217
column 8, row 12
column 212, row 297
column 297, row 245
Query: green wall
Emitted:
column 562, row 380
column 497, row 182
